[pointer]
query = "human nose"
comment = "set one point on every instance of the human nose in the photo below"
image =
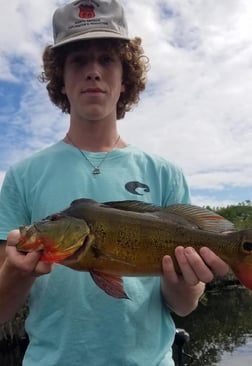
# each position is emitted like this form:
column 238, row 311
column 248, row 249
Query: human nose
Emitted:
column 93, row 72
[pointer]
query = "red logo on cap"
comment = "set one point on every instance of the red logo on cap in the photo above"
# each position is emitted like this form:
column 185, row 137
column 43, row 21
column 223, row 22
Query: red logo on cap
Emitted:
column 86, row 11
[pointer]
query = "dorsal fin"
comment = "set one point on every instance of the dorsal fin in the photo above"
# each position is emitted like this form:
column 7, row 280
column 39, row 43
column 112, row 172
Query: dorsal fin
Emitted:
column 183, row 214
column 134, row 205
column 189, row 215
column 201, row 217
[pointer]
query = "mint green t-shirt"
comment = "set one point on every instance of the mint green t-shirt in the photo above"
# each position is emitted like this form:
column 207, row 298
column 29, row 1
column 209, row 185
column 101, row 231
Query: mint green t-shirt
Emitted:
column 72, row 322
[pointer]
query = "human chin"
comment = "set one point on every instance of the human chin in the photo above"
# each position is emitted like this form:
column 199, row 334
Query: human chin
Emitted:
column 93, row 113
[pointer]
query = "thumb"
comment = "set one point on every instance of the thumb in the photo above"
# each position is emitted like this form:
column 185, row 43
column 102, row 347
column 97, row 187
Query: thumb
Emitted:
column 13, row 237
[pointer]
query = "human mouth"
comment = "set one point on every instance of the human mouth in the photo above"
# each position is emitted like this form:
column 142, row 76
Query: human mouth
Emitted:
column 93, row 91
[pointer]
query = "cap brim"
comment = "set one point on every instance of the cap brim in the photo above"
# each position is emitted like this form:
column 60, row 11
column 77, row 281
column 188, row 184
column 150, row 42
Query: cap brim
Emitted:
column 90, row 35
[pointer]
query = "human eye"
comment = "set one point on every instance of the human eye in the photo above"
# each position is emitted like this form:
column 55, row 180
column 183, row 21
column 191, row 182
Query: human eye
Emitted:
column 77, row 59
column 107, row 59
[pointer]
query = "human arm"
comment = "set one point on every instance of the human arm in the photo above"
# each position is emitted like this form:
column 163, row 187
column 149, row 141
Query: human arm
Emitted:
column 17, row 275
column 182, row 291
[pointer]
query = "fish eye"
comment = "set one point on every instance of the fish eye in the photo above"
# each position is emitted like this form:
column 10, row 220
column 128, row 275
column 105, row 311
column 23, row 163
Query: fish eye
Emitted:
column 247, row 246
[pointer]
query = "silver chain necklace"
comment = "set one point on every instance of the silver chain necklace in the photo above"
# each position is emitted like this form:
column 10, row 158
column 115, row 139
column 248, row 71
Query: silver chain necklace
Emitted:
column 96, row 169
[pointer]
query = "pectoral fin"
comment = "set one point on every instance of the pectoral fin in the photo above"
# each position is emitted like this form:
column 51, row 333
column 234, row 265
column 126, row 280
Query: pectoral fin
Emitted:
column 112, row 285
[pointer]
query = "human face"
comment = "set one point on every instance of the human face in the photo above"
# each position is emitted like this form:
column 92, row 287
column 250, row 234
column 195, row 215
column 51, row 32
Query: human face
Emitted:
column 93, row 82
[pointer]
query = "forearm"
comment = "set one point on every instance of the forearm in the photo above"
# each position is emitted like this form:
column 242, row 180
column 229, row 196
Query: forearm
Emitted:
column 17, row 275
column 14, row 290
column 182, row 300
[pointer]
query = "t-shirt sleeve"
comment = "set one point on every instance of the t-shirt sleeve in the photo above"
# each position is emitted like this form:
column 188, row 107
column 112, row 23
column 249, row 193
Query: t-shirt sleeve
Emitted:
column 178, row 189
column 12, row 208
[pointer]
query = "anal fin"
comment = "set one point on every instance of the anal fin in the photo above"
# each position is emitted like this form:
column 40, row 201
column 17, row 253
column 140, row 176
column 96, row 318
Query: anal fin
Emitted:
column 111, row 284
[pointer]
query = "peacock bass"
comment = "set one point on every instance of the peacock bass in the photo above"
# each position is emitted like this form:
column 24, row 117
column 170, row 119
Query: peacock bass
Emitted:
column 130, row 238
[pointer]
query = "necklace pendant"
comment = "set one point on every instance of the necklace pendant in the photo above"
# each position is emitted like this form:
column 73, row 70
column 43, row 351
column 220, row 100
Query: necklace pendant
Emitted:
column 96, row 171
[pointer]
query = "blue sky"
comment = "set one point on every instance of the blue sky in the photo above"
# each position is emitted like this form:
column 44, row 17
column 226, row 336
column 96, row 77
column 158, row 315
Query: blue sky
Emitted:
column 196, row 111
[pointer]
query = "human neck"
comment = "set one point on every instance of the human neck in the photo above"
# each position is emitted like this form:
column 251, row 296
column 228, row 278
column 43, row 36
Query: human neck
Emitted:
column 94, row 139
column 94, row 135
column 95, row 147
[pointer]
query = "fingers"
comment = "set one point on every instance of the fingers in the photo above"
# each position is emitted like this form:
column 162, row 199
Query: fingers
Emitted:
column 186, row 259
column 27, row 263
column 218, row 266
column 194, row 267
column 13, row 237
column 169, row 270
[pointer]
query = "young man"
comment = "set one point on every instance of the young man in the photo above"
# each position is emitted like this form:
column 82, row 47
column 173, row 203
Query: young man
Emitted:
column 95, row 73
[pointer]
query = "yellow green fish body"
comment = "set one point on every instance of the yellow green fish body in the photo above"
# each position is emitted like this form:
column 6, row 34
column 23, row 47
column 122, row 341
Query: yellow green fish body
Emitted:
column 130, row 238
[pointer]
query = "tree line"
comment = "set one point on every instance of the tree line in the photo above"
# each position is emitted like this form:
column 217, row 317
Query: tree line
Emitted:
column 240, row 215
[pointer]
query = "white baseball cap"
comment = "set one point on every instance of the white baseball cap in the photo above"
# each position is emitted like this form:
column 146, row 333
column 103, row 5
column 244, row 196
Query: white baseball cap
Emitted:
column 89, row 19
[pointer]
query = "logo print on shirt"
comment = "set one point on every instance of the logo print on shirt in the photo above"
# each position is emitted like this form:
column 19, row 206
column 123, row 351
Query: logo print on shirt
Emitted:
column 133, row 186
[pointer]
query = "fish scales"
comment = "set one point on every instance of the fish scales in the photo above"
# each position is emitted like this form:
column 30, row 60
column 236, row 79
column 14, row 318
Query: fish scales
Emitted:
column 136, row 247
column 130, row 238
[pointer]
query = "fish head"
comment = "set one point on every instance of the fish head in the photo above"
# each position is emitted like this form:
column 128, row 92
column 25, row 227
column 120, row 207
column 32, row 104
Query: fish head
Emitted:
column 243, row 263
column 57, row 237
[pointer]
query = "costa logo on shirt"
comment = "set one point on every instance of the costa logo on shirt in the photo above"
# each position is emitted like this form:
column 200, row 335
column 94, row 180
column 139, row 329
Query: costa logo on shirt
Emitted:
column 135, row 187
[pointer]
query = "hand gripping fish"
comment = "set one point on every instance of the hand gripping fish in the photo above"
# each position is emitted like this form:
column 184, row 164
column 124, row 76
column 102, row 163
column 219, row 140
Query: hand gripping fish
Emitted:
column 130, row 238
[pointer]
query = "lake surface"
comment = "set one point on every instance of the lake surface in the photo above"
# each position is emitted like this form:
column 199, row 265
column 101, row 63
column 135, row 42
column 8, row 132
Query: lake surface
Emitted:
column 220, row 329
column 220, row 332
column 240, row 356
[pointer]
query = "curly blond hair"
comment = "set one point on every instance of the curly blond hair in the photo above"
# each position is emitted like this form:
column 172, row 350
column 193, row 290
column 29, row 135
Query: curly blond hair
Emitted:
column 134, row 63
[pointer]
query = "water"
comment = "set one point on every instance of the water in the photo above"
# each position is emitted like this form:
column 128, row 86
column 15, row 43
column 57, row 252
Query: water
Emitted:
column 240, row 356
column 220, row 330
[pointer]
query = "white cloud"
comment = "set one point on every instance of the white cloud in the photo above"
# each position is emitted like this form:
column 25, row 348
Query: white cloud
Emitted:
column 197, row 109
column 2, row 175
column 212, row 201
column 25, row 30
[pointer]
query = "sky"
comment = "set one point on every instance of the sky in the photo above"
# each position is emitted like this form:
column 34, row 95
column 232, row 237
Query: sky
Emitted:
column 196, row 110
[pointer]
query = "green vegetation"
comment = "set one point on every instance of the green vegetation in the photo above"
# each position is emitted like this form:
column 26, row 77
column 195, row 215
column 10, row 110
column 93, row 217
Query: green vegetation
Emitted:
column 240, row 215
